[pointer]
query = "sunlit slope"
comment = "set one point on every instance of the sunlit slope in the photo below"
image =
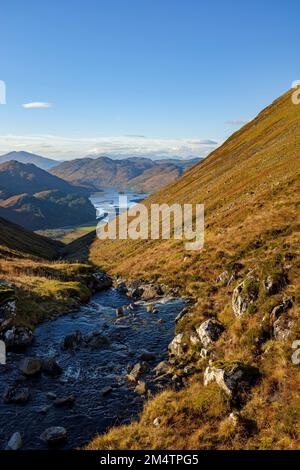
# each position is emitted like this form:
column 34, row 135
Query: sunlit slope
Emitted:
column 248, row 185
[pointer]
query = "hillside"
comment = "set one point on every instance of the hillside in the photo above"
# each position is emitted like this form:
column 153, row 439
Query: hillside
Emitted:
column 14, row 238
column 20, row 178
column 27, row 157
column 250, row 188
column 138, row 174
column 48, row 209
column 44, row 283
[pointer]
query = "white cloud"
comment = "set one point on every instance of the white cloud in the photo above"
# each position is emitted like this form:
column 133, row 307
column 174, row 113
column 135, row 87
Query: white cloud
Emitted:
column 67, row 148
column 36, row 104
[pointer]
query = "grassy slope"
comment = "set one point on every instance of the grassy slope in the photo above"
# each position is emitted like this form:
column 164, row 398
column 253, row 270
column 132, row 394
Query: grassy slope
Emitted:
column 44, row 286
column 250, row 188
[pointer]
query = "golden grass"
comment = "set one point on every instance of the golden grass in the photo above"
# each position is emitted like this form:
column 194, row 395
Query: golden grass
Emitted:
column 250, row 188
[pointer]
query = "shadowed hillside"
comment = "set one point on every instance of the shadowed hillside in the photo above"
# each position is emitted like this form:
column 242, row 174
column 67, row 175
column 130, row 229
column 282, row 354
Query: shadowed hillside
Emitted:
column 246, row 278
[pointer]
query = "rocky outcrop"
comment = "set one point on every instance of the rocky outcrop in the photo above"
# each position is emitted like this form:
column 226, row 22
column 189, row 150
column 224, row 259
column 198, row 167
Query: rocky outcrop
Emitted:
column 30, row 366
column 141, row 388
column 209, row 331
column 54, row 435
column 233, row 378
column 244, row 295
column 282, row 328
column 178, row 347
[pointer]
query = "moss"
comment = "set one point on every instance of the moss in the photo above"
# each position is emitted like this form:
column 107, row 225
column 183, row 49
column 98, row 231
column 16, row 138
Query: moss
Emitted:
column 251, row 288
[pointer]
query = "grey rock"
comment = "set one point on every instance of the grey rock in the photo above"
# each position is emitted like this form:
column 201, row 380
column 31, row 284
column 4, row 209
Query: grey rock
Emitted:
column 30, row 366
column 18, row 338
column 234, row 379
column 209, row 331
column 54, row 435
column 15, row 442
column 106, row 391
column 244, row 295
column 178, row 347
column 274, row 283
column 137, row 371
column 51, row 396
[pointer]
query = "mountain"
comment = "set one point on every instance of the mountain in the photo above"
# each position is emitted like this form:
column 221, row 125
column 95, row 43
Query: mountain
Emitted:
column 137, row 174
column 27, row 157
column 48, row 209
column 245, row 282
column 19, row 178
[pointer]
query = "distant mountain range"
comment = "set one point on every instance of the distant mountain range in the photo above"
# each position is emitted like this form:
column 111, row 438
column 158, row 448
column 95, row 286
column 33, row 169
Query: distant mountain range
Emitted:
column 137, row 174
column 27, row 157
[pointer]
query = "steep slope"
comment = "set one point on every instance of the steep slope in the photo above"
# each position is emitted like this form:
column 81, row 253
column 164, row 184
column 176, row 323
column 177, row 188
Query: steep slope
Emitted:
column 19, row 178
column 27, row 157
column 14, row 238
column 250, row 189
column 48, row 209
column 138, row 174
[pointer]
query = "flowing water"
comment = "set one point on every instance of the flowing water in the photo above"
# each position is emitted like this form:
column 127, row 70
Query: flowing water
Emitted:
column 86, row 371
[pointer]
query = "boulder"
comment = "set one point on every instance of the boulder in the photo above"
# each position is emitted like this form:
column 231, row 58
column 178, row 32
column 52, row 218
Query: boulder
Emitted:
column 147, row 356
column 71, row 341
column 51, row 395
column 177, row 347
column 30, row 366
column 97, row 341
column 209, row 331
column 16, row 394
column 15, row 442
column 101, row 281
column 244, row 295
column 50, row 367
column 54, row 435
column 233, row 378
column 18, row 338
column 151, row 291
column 137, row 371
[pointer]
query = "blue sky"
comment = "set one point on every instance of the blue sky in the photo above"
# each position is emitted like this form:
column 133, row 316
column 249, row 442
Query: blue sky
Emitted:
column 171, row 77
